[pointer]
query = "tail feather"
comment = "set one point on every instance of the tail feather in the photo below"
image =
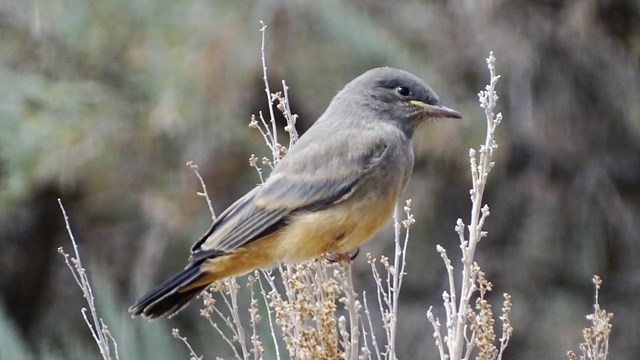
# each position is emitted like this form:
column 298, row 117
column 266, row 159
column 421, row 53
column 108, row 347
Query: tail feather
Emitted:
column 167, row 298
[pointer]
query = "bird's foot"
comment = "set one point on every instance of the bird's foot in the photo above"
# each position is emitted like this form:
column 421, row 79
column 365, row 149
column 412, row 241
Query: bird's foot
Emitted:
column 344, row 257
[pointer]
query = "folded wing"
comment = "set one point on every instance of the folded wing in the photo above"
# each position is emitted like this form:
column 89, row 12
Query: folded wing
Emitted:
column 307, row 179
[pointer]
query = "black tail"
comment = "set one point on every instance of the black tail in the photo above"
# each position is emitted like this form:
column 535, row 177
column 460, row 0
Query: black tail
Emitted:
column 167, row 299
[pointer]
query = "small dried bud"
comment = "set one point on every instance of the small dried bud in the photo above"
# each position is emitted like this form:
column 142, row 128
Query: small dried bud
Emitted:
column 253, row 160
column 597, row 281
column 253, row 123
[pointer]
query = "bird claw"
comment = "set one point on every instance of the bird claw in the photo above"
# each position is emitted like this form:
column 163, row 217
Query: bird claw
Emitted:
column 344, row 257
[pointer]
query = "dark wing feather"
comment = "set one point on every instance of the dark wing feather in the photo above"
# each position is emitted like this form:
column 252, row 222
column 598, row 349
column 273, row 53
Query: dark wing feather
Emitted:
column 242, row 220
column 309, row 178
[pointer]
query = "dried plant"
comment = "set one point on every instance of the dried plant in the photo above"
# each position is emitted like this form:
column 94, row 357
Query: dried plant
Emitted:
column 192, row 353
column 596, row 336
column 99, row 330
column 469, row 329
column 388, row 286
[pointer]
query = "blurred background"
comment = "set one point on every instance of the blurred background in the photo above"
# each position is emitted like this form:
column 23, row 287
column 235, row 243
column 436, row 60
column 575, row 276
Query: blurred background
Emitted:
column 103, row 102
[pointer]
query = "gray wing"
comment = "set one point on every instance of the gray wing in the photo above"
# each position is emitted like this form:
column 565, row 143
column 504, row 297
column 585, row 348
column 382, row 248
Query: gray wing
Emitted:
column 312, row 176
column 242, row 220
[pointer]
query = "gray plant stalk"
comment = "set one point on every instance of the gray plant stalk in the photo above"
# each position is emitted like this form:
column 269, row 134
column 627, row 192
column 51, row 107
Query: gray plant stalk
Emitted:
column 458, row 343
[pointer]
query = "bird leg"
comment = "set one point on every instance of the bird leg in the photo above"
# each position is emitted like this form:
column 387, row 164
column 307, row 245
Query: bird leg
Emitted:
column 344, row 257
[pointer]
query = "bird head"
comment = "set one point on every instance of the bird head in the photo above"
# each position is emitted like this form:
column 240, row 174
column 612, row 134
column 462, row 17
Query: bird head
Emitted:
column 398, row 96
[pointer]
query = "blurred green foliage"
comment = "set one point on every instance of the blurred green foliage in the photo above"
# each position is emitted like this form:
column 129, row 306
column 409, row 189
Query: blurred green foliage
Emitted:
column 102, row 103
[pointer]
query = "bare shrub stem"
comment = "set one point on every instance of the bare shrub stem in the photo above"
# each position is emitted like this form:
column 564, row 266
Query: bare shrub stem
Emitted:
column 99, row 330
column 468, row 328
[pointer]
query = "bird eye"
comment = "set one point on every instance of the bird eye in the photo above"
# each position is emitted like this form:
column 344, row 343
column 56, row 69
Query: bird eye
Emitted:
column 403, row 90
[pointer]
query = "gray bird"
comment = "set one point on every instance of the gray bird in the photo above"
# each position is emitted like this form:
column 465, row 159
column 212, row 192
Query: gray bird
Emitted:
column 331, row 193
